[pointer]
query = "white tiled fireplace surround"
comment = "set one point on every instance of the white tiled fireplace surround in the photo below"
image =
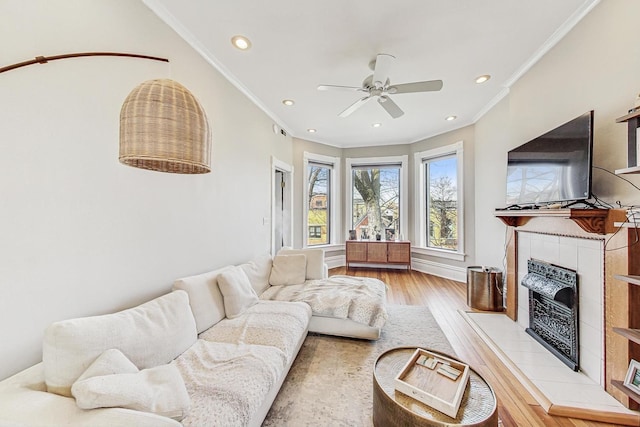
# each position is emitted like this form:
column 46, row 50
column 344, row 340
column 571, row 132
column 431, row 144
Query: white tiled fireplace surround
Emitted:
column 553, row 382
column 586, row 257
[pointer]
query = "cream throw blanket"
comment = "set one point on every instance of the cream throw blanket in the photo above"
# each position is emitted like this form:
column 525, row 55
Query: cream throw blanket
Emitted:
column 360, row 299
column 227, row 383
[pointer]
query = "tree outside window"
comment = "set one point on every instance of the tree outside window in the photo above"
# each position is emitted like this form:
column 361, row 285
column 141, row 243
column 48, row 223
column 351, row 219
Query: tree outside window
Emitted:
column 375, row 200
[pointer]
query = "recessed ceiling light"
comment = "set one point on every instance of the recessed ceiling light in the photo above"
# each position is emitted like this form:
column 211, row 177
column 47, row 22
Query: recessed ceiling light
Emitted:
column 288, row 102
column 483, row 78
column 376, row 125
column 311, row 130
column 241, row 42
column 450, row 118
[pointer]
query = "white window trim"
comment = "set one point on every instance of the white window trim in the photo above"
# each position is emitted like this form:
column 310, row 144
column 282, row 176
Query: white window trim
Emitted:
column 404, row 186
column 456, row 149
column 334, row 197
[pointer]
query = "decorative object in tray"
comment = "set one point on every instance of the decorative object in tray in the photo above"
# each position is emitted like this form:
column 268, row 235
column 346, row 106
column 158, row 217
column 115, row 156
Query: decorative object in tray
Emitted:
column 434, row 380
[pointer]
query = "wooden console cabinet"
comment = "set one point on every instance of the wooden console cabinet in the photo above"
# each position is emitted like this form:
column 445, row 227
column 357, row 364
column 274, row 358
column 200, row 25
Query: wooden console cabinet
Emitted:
column 378, row 252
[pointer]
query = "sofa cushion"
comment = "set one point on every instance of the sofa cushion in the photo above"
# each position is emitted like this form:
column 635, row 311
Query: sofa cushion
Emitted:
column 237, row 293
column 22, row 407
column 204, row 297
column 150, row 334
column 315, row 261
column 274, row 323
column 258, row 271
column 159, row 390
column 288, row 270
column 228, row 383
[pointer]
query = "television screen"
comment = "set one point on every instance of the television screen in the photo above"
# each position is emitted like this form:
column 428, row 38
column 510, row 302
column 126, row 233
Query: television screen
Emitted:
column 554, row 167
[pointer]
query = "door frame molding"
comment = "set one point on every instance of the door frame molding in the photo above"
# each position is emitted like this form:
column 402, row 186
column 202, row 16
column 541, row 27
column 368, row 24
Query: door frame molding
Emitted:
column 287, row 169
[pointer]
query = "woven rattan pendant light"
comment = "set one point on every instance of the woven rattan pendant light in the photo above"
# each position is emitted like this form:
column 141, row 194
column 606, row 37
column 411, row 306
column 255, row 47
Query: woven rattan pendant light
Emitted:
column 164, row 128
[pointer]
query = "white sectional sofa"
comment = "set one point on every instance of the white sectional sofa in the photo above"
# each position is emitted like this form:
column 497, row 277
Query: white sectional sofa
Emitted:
column 214, row 351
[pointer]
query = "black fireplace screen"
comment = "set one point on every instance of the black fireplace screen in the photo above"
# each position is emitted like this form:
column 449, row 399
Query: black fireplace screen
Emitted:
column 553, row 309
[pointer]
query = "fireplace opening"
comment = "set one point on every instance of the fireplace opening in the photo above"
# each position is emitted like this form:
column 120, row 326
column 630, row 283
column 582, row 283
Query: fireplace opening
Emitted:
column 553, row 309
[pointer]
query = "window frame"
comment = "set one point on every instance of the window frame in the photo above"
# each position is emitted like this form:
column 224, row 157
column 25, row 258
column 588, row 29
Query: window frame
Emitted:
column 333, row 201
column 403, row 161
column 456, row 150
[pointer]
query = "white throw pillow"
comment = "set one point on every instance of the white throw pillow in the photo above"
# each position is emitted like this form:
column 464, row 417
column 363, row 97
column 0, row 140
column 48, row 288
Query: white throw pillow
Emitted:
column 159, row 390
column 288, row 270
column 112, row 361
column 236, row 291
column 315, row 261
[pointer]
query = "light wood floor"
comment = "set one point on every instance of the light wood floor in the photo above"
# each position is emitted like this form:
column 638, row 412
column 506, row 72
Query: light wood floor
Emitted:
column 444, row 297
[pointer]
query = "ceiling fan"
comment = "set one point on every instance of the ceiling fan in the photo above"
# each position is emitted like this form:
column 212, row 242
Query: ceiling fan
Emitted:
column 379, row 86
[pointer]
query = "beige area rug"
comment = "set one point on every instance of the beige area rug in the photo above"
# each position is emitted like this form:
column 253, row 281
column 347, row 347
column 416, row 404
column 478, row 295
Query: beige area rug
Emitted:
column 330, row 382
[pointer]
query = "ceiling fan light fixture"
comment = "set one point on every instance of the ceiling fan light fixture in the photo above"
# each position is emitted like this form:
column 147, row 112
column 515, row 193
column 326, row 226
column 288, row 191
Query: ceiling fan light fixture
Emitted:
column 241, row 42
column 483, row 78
column 450, row 118
column 378, row 86
column 288, row 102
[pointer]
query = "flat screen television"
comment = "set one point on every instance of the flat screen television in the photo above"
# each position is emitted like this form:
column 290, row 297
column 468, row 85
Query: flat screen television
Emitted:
column 554, row 167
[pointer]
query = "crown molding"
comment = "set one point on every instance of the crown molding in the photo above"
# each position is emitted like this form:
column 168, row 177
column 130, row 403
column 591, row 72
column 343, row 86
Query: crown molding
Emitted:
column 174, row 23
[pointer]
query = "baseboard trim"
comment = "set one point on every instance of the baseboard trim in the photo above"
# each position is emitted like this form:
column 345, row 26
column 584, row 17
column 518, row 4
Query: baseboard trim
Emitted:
column 336, row 261
column 459, row 274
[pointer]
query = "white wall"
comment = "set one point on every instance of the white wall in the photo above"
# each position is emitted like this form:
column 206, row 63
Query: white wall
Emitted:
column 81, row 234
column 595, row 67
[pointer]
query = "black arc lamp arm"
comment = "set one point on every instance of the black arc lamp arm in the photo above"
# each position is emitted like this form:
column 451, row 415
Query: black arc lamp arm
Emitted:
column 45, row 59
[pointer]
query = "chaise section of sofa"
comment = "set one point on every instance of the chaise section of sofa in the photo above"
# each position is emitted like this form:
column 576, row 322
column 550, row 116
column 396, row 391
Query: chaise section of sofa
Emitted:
column 346, row 306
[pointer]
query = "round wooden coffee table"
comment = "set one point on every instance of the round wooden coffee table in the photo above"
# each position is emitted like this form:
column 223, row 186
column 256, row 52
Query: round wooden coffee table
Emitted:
column 479, row 406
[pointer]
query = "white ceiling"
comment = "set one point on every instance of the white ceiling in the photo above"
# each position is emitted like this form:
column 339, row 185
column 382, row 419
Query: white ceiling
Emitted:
column 298, row 44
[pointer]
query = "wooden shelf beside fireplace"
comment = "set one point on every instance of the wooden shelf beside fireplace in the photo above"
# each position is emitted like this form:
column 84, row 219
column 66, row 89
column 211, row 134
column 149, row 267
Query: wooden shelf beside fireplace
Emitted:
column 623, row 316
column 630, row 334
column 634, row 280
column 620, row 386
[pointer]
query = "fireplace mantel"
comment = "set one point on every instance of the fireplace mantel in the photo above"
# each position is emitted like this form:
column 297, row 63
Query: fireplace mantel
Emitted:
column 590, row 220
column 589, row 223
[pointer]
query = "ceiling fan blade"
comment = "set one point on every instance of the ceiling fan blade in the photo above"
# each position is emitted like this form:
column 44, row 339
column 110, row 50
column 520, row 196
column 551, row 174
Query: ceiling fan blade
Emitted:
column 391, row 107
column 343, row 88
column 381, row 70
column 353, row 107
column 428, row 86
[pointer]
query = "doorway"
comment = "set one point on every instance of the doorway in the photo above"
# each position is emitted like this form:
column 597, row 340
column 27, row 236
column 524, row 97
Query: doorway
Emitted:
column 282, row 206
